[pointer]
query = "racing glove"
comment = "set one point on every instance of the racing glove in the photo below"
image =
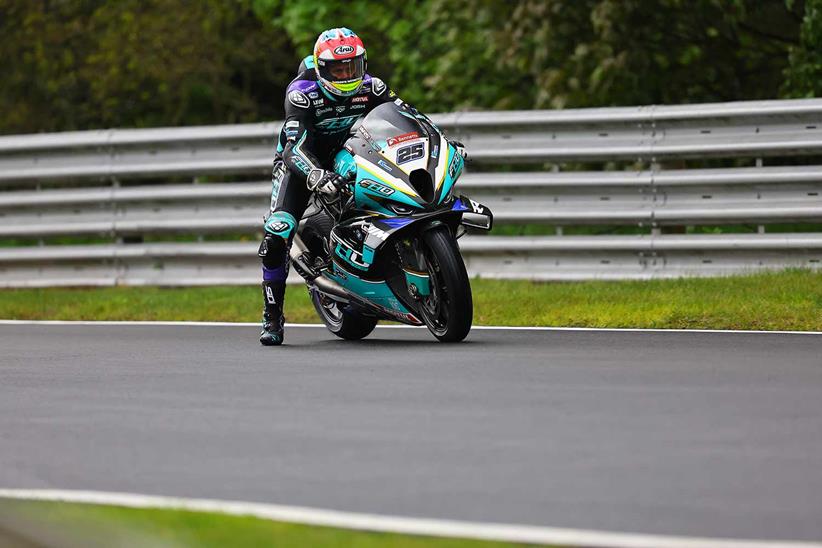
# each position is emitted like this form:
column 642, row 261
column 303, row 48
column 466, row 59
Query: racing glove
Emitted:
column 324, row 181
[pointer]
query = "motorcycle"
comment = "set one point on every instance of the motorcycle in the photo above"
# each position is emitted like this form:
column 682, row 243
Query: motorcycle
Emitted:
column 385, row 248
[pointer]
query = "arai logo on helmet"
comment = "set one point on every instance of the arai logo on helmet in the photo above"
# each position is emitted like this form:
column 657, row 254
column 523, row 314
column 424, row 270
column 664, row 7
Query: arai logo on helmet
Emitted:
column 345, row 49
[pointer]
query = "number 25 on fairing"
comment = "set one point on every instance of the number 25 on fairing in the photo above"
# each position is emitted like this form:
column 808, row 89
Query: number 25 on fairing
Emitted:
column 410, row 153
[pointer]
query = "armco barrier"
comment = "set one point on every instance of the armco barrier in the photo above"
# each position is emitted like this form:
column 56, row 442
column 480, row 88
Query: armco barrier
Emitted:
column 125, row 185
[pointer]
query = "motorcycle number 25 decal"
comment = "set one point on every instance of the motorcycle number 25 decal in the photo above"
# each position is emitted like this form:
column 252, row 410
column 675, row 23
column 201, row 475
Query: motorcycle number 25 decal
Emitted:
column 410, row 153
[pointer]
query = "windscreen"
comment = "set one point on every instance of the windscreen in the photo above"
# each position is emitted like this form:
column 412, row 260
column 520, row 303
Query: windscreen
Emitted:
column 388, row 125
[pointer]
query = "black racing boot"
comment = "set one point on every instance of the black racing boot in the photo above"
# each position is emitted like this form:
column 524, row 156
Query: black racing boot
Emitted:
column 273, row 322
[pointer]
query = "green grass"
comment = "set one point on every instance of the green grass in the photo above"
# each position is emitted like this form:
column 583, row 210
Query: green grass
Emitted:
column 106, row 526
column 789, row 300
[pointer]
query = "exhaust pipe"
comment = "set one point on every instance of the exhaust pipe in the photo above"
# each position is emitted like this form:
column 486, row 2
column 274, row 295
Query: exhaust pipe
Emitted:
column 297, row 254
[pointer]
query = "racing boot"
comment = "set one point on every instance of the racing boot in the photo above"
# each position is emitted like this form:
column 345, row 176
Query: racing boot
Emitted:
column 273, row 322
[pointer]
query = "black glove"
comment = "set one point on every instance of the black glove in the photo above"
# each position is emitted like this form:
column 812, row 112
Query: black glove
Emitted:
column 325, row 182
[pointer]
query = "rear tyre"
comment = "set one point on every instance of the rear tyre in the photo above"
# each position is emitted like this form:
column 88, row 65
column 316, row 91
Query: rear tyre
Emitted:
column 449, row 310
column 338, row 320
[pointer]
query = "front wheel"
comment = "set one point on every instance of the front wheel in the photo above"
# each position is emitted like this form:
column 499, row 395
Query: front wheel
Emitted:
column 339, row 321
column 449, row 309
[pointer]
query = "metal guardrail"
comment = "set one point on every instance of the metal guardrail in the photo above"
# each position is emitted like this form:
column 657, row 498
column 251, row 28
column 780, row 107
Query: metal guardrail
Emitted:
column 514, row 257
column 649, row 197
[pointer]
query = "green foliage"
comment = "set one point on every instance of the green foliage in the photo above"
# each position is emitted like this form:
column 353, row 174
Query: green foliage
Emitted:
column 804, row 76
column 82, row 64
column 451, row 54
column 621, row 52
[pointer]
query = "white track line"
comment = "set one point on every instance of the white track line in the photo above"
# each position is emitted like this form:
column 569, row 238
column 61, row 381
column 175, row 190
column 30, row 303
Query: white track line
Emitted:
column 392, row 524
column 477, row 327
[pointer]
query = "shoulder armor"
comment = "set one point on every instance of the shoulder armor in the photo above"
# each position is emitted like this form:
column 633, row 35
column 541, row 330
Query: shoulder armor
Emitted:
column 377, row 86
column 299, row 92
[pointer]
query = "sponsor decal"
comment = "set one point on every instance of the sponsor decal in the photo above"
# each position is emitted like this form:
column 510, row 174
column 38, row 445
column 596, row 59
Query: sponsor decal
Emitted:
column 351, row 256
column 300, row 163
column 338, row 123
column 292, row 123
column 476, row 206
column 398, row 102
column 339, row 108
column 383, row 164
column 269, row 296
column 397, row 139
column 410, row 153
column 374, row 231
column 318, row 102
column 360, row 99
column 358, row 107
column 435, row 152
column 345, row 49
column 452, row 168
column 376, row 187
column 323, row 110
column 313, row 94
column 298, row 99
column 378, row 86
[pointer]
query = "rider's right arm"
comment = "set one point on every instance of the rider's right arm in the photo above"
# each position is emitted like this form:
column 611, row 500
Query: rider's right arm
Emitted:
column 299, row 135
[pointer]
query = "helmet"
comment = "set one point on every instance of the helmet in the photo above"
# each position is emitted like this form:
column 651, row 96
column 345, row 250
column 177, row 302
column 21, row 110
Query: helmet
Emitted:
column 340, row 61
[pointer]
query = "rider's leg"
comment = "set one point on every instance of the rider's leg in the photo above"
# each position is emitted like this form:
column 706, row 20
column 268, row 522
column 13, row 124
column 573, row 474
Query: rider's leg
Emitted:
column 289, row 198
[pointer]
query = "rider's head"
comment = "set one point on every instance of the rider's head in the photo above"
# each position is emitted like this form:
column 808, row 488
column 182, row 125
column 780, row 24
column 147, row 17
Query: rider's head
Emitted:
column 340, row 61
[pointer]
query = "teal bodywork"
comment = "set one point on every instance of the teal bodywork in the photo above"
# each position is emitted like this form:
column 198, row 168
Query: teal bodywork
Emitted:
column 454, row 168
column 376, row 292
column 421, row 281
column 367, row 186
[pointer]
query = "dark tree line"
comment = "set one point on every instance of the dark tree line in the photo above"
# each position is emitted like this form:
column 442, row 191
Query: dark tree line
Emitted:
column 81, row 64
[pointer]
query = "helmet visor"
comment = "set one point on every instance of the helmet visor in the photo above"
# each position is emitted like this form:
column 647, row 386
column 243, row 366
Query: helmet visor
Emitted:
column 342, row 70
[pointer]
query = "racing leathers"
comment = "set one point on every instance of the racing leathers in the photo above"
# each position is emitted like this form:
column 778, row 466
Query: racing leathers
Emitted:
column 316, row 125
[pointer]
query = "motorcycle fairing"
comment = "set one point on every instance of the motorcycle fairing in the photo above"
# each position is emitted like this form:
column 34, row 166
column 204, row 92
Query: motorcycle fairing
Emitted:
column 357, row 240
column 377, row 293
column 380, row 181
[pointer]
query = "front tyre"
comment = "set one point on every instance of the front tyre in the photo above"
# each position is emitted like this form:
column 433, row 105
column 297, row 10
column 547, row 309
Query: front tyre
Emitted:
column 339, row 321
column 449, row 309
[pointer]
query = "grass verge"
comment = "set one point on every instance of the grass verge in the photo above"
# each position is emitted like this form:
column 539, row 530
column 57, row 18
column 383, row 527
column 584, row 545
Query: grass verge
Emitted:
column 788, row 300
column 60, row 525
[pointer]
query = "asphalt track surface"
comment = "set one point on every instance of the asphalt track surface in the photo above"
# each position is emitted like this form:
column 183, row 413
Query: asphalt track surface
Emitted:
column 701, row 434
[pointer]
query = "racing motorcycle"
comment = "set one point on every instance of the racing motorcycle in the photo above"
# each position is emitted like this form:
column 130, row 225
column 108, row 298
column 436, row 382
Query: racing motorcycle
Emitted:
column 385, row 248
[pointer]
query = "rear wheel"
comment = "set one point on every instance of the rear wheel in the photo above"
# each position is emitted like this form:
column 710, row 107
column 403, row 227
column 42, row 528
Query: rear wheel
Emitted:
column 449, row 309
column 339, row 321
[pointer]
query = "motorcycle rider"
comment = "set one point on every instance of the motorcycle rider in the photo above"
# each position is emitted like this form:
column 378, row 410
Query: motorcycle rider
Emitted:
column 331, row 91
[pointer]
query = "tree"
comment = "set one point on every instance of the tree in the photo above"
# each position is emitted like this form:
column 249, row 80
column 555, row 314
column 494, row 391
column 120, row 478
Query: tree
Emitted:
column 136, row 63
column 804, row 75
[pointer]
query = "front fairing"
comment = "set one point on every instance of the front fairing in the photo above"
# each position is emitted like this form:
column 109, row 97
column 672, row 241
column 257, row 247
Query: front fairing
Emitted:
column 357, row 239
column 399, row 163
